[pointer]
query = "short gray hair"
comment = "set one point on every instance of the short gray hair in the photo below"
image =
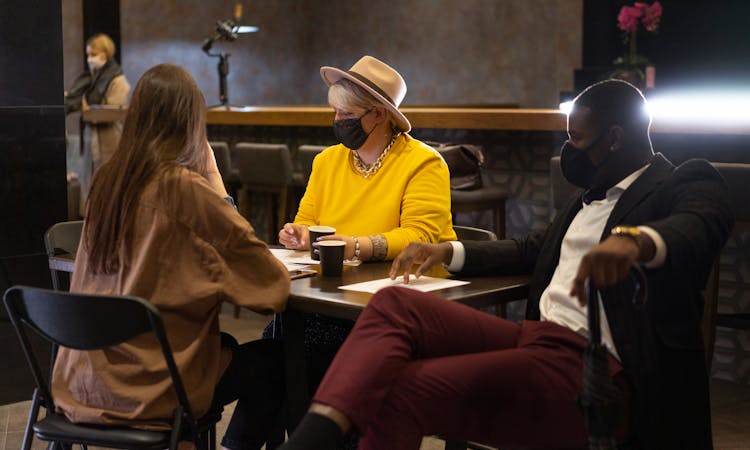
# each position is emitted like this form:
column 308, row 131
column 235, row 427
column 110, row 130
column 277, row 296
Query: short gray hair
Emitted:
column 347, row 95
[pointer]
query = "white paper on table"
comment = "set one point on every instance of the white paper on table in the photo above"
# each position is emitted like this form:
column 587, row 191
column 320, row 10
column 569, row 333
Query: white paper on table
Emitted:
column 297, row 257
column 423, row 283
column 293, row 256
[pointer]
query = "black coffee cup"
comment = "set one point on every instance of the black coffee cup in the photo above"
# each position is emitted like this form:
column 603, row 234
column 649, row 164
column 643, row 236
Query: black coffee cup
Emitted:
column 317, row 231
column 331, row 257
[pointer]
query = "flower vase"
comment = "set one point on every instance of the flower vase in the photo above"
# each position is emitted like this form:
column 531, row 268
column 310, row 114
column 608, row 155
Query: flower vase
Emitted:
column 630, row 68
column 632, row 74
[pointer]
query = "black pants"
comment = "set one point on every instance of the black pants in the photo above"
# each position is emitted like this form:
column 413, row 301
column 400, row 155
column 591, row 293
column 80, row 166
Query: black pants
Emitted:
column 255, row 379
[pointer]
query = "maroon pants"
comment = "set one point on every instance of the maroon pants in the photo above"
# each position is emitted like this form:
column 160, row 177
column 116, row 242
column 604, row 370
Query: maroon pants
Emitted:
column 416, row 365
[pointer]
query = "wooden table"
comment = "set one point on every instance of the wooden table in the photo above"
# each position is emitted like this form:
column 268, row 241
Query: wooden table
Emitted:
column 321, row 295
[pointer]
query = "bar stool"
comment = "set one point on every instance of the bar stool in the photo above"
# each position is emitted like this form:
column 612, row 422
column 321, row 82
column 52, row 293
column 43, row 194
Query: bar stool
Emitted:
column 224, row 164
column 265, row 168
column 305, row 156
column 485, row 198
column 304, row 161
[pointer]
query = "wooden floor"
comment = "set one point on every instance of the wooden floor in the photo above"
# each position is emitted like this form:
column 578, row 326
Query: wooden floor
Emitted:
column 730, row 403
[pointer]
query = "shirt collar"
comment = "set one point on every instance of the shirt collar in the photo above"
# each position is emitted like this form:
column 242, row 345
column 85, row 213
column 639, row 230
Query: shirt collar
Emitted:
column 615, row 191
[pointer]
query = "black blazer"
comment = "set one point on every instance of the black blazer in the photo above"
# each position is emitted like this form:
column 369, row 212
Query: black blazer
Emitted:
column 660, row 343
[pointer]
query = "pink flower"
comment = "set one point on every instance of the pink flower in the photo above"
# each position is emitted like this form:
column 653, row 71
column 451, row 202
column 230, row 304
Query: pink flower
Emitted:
column 627, row 20
column 652, row 16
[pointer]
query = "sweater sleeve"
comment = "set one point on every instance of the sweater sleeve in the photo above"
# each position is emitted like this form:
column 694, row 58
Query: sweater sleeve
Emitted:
column 249, row 274
column 425, row 208
column 307, row 210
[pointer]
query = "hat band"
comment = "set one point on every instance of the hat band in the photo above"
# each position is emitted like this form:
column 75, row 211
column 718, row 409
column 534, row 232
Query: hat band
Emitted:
column 372, row 86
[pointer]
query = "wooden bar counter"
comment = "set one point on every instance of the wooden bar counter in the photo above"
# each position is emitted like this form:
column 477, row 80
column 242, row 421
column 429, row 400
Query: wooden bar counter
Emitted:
column 420, row 117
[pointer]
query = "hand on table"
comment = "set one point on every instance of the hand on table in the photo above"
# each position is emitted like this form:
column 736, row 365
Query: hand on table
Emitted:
column 426, row 255
column 294, row 236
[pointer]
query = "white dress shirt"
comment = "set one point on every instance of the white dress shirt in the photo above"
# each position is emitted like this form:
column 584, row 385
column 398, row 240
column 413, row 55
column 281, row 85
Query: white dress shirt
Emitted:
column 555, row 304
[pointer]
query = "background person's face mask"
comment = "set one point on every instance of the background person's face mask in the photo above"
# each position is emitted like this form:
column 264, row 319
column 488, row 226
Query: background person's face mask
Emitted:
column 96, row 62
column 350, row 132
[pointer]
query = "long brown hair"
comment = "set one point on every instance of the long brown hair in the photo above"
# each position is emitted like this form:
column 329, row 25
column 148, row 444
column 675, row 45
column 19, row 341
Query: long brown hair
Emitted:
column 165, row 127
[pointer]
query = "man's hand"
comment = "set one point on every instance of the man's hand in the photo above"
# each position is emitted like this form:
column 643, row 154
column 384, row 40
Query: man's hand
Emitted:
column 426, row 255
column 605, row 265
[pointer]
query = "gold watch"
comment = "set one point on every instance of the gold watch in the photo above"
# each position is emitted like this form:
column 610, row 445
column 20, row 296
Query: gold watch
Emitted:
column 627, row 231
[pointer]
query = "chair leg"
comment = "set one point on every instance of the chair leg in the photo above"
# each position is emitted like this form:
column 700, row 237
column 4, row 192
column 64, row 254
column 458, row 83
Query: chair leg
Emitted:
column 244, row 203
column 283, row 200
column 270, row 217
column 499, row 220
column 710, row 307
column 28, row 434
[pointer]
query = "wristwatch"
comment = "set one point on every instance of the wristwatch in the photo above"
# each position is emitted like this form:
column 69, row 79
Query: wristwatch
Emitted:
column 627, row 231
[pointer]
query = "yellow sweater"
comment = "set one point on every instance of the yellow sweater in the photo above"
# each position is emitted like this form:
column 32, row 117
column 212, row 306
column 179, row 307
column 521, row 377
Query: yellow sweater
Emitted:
column 407, row 200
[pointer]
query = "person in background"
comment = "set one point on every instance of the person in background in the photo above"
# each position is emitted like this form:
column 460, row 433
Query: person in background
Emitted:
column 416, row 365
column 160, row 225
column 380, row 188
column 102, row 84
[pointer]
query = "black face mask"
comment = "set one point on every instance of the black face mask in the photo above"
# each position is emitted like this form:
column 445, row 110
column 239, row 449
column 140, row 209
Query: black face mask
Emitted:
column 576, row 166
column 350, row 132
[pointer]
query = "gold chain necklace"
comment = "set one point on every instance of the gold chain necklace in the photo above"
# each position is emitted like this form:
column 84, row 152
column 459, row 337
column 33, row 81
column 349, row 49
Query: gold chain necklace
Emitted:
column 368, row 171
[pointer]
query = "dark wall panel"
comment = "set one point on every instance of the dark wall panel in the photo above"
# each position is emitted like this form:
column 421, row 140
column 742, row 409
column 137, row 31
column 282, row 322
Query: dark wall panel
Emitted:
column 32, row 159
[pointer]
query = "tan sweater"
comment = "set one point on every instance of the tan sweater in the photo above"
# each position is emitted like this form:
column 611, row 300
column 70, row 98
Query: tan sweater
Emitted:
column 191, row 251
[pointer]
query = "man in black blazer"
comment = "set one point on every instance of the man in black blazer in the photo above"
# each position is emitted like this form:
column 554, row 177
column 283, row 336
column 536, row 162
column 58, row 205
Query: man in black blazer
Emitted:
column 634, row 208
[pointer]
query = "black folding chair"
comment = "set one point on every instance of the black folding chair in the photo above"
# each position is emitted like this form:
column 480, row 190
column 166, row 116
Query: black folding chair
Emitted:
column 62, row 238
column 92, row 322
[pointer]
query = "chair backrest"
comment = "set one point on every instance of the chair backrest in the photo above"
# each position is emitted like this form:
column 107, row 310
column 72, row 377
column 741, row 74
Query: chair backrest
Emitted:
column 560, row 188
column 263, row 164
column 61, row 238
column 86, row 322
column 473, row 234
column 737, row 175
column 305, row 155
column 223, row 159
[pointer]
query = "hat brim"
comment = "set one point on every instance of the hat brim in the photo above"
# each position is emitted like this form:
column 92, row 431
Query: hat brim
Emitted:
column 331, row 75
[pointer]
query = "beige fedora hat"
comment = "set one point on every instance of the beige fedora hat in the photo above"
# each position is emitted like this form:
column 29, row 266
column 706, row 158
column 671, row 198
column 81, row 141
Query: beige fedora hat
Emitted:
column 377, row 78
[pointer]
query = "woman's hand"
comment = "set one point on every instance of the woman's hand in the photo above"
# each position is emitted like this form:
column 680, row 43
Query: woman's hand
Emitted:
column 295, row 236
column 426, row 255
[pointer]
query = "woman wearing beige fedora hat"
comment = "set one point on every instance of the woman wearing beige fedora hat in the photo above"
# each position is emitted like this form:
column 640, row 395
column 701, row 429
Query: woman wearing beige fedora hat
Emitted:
column 380, row 188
